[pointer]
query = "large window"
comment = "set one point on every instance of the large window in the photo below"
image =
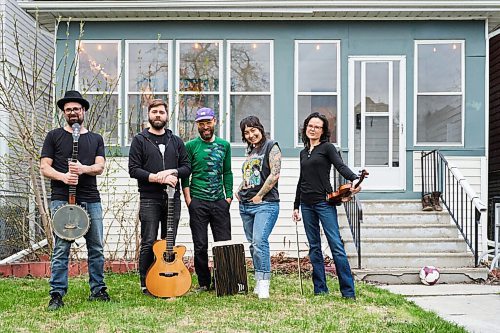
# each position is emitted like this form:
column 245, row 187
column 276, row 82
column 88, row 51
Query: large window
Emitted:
column 99, row 80
column 147, row 78
column 198, row 85
column 316, row 84
column 251, row 85
column 439, row 101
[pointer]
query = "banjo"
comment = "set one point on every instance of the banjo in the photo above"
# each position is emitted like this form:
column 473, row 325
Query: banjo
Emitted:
column 71, row 221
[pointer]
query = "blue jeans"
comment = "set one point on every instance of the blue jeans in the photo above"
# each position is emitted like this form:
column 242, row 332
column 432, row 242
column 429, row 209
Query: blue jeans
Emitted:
column 95, row 257
column 312, row 215
column 258, row 222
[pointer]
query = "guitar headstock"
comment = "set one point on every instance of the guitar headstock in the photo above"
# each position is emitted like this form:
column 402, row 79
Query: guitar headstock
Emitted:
column 170, row 191
column 76, row 131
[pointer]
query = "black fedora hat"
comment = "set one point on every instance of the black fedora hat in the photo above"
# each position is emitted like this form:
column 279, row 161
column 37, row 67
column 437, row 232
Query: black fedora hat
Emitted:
column 73, row 96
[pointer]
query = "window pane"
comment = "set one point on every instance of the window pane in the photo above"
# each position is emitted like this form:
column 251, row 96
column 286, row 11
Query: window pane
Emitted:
column 243, row 106
column 318, row 67
column 250, row 67
column 439, row 119
column 137, row 118
column 98, row 66
column 377, row 141
column 103, row 117
column 188, row 105
column 148, row 67
column 377, row 87
column 326, row 105
column 439, row 67
column 199, row 67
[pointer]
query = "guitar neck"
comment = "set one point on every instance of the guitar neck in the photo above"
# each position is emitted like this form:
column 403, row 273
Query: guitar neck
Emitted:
column 170, row 225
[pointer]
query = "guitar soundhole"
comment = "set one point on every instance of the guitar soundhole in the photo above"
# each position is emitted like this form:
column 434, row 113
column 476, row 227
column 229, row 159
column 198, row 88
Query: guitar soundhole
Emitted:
column 169, row 256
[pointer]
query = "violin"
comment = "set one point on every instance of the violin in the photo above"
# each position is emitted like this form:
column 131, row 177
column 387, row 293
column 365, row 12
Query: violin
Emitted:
column 343, row 193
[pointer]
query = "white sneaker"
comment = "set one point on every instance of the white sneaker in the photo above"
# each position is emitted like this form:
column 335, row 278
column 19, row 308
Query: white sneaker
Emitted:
column 256, row 289
column 264, row 288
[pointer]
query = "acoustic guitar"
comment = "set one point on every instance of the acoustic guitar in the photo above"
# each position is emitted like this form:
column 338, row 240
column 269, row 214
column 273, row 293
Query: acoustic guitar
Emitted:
column 71, row 221
column 168, row 276
column 343, row 193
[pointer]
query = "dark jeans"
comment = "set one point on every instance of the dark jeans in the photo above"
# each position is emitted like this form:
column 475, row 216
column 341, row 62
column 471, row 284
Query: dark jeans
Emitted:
column 153, row 213
column 312, row 215
column 201, row 214
column 95, row 258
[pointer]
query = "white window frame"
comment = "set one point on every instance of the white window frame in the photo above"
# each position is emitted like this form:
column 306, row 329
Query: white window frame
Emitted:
column 296, row 92
column 177, row 78
column 118, row 90
column 229, row 94
column 169, row 93
column 417, row 93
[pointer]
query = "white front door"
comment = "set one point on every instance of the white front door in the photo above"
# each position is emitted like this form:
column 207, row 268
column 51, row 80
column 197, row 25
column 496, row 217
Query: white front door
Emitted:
column 377, row 120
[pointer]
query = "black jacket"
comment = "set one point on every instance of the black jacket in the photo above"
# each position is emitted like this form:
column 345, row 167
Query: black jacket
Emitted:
column 145, row 158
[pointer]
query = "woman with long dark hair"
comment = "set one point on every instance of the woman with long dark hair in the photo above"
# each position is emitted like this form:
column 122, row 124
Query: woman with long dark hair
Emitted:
column 316, row 160
column 259, row 197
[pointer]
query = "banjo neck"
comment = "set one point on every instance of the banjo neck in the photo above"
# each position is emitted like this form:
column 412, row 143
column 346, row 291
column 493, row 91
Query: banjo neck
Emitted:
column 74, row 158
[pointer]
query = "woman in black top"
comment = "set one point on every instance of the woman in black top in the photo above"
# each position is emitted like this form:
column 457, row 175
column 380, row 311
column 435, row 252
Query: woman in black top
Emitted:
column 316, row 160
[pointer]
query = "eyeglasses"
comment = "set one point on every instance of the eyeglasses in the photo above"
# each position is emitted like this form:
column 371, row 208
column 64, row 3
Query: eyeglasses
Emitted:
column 316, row 128
column 75, row 110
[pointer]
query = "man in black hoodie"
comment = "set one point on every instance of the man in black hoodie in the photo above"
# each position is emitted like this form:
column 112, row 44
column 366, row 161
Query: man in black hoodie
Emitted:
column 157, row 159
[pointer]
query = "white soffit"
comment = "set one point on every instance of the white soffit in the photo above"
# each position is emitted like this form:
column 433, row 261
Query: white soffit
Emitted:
column 50, row 11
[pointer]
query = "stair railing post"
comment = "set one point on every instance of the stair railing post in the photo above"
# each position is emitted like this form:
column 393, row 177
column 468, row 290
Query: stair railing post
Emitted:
column 476, row 237
column 434, row 166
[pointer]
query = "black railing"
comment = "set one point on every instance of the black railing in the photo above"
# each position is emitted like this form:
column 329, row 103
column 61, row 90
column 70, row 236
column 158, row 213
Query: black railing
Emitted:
column 354, row 213
column 441, row 180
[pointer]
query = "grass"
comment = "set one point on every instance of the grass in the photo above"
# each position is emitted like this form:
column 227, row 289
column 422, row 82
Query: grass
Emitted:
column 23, row 305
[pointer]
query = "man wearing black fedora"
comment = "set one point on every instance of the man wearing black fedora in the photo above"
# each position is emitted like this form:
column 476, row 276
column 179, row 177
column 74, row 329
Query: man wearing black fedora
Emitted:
column 55, row 164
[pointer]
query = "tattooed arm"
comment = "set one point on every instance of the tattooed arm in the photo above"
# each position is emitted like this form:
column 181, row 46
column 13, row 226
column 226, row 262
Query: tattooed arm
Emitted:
column 275, row 165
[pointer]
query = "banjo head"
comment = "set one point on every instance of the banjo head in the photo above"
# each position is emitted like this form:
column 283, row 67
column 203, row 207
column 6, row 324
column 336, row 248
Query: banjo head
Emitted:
column 70, row 222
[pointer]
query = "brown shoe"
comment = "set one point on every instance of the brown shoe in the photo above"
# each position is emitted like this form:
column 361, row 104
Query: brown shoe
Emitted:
column 427, row 205
column 435, row 201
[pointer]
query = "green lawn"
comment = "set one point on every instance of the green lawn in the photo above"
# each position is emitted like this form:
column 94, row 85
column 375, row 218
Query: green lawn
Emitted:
column 23, row 305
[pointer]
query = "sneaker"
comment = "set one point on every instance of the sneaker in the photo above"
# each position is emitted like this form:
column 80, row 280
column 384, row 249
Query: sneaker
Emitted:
column 353, row 298
column 146, row 292
column 264, row 289
column 102, row 295
column 201, row 289
column 55, row 302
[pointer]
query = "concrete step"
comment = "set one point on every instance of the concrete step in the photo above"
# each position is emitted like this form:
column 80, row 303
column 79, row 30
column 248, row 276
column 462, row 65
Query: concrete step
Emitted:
column 410, row 230
column 408, row 245
column 396, row 217
column 410, row 275
column 392, row 205
column 391, row 260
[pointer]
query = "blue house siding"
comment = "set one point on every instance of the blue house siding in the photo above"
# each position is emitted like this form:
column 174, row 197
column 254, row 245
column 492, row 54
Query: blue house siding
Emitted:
column 366, row 38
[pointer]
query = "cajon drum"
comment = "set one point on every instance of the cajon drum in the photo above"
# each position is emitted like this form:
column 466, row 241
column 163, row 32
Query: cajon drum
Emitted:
column 230, row 271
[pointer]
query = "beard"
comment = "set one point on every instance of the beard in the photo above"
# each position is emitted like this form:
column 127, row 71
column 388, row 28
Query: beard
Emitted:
column 74, row 120
column 206, row 134
column 157, row 123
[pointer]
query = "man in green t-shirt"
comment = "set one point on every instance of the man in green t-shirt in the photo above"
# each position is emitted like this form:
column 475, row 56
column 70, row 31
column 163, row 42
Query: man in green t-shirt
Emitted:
column 208, row 192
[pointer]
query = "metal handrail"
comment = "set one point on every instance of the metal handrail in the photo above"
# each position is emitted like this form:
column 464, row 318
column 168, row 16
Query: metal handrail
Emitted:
column 463, row 204
column 354, row 213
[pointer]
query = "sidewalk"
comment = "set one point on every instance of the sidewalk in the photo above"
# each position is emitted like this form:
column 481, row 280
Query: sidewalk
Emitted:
column 473, row 306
